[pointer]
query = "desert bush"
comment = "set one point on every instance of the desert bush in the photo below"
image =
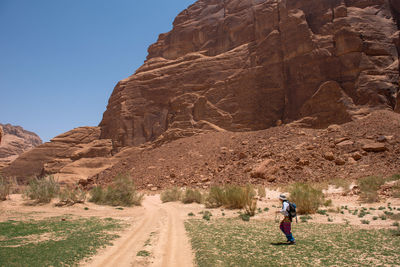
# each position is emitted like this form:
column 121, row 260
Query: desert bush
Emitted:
column 171, row 195
column 5, row 188
column 245, row 217
column 215, row 198
column 42, row 190
column 122, row 192
column 250, row 201
column 341, row 183
column 395, row 177
column 328, row 203
column 307, row 198
column 237, row 197
column 191, row 195
column 369, row 187
column 396, row 232
column 207, row 215
column 70, row 196
column 261, row 191
column 364, row 221
column 233, row 197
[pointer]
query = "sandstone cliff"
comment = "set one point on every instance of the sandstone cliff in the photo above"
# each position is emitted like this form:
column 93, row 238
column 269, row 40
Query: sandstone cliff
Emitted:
column 242, row 65
column 15, row 141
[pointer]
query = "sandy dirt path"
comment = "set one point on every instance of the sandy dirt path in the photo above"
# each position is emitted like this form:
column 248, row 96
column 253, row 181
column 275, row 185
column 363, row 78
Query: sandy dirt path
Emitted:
column 159, row 230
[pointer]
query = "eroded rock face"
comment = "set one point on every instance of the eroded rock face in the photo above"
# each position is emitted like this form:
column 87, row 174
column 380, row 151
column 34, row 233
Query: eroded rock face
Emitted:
column 247, row 64
column 70, row 156
column 14, row 140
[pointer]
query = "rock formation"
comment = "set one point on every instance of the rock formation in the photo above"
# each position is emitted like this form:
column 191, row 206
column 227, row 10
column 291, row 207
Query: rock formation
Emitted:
column 71, row 156
column 239, row 65
column 245, row 65
column 14, row 140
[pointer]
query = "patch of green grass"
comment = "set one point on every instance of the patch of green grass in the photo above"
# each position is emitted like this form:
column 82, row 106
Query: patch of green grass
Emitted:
column 232, row 242
column 53, row 242
column 143, row 253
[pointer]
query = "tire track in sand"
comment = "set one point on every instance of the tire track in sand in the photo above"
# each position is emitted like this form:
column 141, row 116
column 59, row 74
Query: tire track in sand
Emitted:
column 173, row 248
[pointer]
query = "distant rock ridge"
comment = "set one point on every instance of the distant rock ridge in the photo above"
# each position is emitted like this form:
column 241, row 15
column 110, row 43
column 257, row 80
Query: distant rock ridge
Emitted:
column 249, row 64
column 15, row 141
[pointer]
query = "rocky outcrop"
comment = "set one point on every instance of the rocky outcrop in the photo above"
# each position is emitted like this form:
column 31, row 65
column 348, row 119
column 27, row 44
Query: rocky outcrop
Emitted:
column 14, row 140
column 70, row 156
column 248, row 65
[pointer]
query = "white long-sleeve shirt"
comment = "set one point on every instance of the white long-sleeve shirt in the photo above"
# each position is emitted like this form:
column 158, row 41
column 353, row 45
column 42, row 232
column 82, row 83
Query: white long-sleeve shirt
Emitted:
column 284, row 210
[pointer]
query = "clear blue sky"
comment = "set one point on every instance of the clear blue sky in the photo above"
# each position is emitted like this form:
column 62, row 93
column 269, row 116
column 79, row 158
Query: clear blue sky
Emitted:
column 60, row 59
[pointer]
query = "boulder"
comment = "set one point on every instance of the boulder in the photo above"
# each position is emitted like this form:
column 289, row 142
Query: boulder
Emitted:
column 370, row 146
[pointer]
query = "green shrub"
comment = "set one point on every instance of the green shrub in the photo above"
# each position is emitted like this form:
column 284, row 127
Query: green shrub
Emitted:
column 305, row 218
column 395, row 216
column 394, row 177
column 245, row 217
column 97, row 195
column 171, row 195
column 235, row 197
column 5, row 188
column 322, row 212
column 396, row 232
column 396, row 190
column 375, row 218
column 369, row 187
column 382, row 217
column 261, row 191
column 191, row 196
column 328, row 203
column 215, row 198
column 341, row 183
column 364, row 221
column 266, row 209
column 396, row 224
column 191, row 214
column 121, row 192
column 207, row 215
column 307, row 198
column 70, row 196
column 42, row 190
